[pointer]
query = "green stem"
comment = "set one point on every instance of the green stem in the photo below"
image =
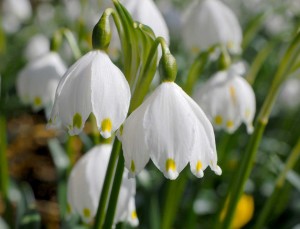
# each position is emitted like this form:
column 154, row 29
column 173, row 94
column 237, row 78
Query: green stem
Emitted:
column 272, row 200
column 247, row 161
column 194, row 71
column 72, row 43
column 252, row 28
column 69, row 36
column 110, row 215
column 173, row 195
column 101, row 212
column 258, row 62
column 4, row 177
column 149, row 70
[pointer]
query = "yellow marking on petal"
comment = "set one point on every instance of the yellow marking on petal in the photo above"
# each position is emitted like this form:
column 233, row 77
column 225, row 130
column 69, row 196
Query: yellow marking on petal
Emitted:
column 198, row 166
column 133, row 215
column 69, row 208
column 86, row 212
column 218, row 120
column 229, row 124
column 77, row 120
column 121, row 130
column 247, row 113
column 230, row 44
column 232, row 94
column 132, row 166
column 195, row 50
column 106, row 125
column 37, row 101
column 170, row 165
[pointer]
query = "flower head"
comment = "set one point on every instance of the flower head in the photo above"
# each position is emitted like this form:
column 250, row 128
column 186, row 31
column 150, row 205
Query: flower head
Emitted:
column 37, row 82
column 146, row 12
column 210, row 22
column 228, row 100
column 85, row 186
column 92, row 85
column 171, row 129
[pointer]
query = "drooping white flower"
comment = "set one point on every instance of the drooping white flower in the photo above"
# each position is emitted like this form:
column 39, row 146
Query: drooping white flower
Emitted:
column 145, row 12
column 37, row 46
column 37, row 82
column 172, row 130
column 14, row 13
column 210, row 22
column 92, row 85
column 228, row 100
column 85, row 185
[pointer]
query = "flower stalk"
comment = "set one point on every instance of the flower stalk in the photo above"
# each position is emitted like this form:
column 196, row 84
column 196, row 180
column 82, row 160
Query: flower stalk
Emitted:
column 248, row 159
column 4, row 177
column 100, row 215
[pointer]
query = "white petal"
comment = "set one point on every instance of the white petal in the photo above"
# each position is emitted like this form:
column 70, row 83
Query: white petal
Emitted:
column 73, row 95
column 132, row 218
column 246, row 99
column 127, row 191
column 110, row 93
column 86, row 181
column 169, row 130
column 134, row 146
column 37, row 82
column 216, row 19
column 146, row 12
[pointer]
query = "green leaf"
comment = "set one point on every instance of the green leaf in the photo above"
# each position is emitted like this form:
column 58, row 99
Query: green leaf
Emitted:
column 31, row 220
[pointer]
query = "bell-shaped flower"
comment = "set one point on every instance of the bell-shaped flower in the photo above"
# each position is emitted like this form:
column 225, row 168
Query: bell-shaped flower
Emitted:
column 228, row 100
column 92, row 85
column 37, row 82
column 172, row 130
column 145, row 12
column 14, row 13
column 85, row 185
column 37, row 46
column 207, row 23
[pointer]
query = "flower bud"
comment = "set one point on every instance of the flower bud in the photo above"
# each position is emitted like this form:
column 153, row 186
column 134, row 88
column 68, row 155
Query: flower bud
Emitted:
column 102, row 33
column 168, row 65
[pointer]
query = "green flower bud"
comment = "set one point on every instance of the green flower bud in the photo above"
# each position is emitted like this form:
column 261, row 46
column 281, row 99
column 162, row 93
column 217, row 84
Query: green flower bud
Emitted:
column 102, row 33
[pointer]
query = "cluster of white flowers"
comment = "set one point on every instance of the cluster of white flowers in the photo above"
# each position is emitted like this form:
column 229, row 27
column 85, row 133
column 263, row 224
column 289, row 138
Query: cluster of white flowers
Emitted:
column 169, row 127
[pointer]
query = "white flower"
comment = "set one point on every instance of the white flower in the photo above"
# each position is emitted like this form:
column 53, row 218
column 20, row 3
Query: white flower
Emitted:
column 85, row 185
column 145, row 12
column 209, row 22
column 37, row 82
column 290, row 94
column 37, row 46
column 228, row 100
column 92, row 85
column 14, row 13
column 171, row 129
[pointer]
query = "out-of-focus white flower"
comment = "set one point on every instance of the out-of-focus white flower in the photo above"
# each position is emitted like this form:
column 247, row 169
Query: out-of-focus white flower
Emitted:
column 92, row 85
column 37, row 82
column 85, row 185
column 228, row 99
column 290, row 94
column 45, row 12
column 14, row 13
column 209, row 22
column 37, row 46
column 145, row 12
column 171, row 129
